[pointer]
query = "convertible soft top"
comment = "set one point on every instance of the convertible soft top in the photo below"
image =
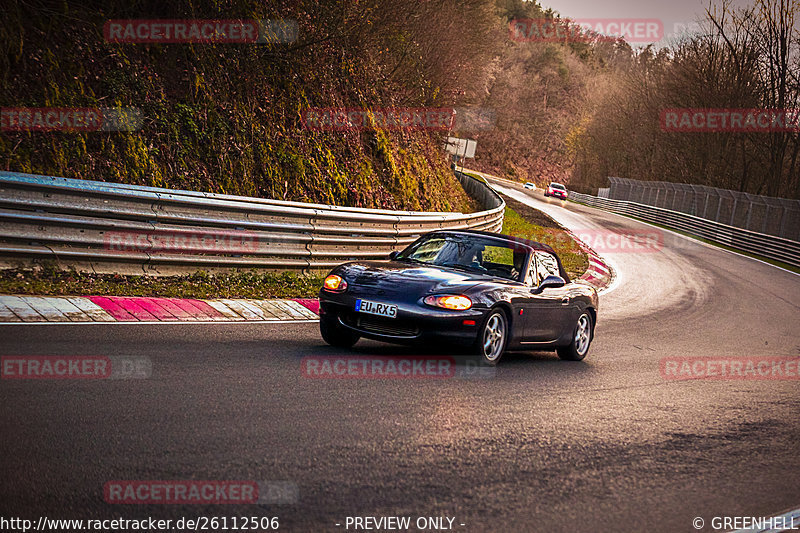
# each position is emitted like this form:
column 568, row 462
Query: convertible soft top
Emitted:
column 540, row 246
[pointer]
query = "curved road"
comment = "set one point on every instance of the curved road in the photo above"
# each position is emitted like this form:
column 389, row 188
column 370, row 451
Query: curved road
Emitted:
column 543, row 445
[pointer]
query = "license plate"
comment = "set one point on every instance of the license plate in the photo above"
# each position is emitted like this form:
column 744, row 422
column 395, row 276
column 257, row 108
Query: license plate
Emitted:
column 375, row 308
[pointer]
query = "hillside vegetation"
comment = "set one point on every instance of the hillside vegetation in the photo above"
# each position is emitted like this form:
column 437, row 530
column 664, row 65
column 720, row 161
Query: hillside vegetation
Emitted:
column 222, row 117
column 228, row 117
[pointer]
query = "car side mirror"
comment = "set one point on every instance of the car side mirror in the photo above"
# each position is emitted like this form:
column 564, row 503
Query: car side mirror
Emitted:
column 550, row 282
column 393, row 255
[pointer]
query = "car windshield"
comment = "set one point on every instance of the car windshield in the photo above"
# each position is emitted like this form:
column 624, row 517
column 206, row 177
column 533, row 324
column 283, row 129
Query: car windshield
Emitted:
column 470, row 253
column 558, row 186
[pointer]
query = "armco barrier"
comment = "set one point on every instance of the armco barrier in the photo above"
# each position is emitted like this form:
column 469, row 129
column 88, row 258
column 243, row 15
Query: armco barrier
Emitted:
column 75, row 223
column 762, row 214
column 769, row 246
column 764, row 245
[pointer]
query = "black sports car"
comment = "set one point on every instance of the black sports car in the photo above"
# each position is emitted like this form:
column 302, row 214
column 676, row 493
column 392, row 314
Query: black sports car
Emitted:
column 482, row 290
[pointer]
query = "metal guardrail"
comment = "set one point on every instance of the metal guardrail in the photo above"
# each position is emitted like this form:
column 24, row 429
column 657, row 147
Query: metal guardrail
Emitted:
column 109, row 227
column 769, row 246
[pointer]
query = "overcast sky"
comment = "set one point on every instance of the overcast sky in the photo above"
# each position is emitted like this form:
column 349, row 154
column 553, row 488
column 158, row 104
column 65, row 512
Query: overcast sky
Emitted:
column 674, row 14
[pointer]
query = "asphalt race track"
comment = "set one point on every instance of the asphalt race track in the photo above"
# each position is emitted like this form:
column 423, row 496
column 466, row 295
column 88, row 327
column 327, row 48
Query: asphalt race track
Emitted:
column 607, row 444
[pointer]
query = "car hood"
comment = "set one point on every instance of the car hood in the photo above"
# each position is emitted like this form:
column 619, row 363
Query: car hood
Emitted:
column 394, row 278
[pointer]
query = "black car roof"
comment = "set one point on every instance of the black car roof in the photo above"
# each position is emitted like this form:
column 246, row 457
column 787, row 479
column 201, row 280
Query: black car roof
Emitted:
column 540, row 246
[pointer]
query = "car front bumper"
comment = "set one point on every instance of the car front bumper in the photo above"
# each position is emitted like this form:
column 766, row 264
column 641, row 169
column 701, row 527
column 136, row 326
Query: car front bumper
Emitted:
column 413, row 324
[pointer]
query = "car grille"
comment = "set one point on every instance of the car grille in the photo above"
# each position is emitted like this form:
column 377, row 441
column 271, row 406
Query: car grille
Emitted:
column 382, row 326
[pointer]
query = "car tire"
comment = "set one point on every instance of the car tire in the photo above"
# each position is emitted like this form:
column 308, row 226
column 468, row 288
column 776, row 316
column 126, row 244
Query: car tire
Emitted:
column 493, row 337
column 582, row 337
column 337, row 335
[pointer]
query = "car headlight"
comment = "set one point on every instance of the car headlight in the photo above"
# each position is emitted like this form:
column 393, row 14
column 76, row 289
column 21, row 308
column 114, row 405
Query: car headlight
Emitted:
column 334, row 283
column 449, row 301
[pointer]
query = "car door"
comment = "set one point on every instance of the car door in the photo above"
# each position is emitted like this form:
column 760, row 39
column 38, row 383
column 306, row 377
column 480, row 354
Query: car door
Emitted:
column 546, row 313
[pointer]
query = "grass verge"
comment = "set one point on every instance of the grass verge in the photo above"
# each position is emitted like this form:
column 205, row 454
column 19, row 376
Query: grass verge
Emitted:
column 47, row 281
column 528, row 223
column 523, row 221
